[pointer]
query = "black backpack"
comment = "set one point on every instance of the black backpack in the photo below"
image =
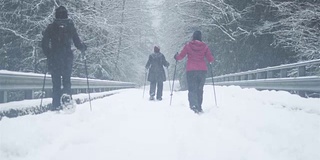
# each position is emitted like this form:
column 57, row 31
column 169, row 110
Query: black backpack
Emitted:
column 61, row 33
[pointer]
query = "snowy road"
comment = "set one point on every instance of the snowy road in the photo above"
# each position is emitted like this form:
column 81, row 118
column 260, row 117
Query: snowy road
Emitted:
column 247, row 125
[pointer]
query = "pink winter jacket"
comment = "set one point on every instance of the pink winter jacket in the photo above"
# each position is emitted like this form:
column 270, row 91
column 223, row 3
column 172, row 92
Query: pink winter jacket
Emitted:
column 197, row 51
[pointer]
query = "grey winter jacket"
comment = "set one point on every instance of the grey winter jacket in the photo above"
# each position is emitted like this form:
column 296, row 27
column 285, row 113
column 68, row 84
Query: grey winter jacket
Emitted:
column 155, row 65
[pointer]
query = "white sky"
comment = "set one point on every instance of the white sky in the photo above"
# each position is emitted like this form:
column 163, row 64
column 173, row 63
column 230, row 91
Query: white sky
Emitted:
column 156, row 13
column 248, row 125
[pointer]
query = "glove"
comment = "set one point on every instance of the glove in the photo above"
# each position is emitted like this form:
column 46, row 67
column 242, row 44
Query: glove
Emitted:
column 175, row 56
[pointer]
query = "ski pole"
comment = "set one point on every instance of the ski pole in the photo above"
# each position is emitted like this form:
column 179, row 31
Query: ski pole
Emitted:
column 145, row 81
column 169, row 78
column 214, row 90
column 44, row 83
column 174, row 75
column 88, row 86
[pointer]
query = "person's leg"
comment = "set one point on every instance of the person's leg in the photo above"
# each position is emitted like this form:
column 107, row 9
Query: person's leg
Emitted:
column 66, row 76
column 56, row 90
column 152, row 90
column 192, row 90
column 159, row 90
column 201, row 81
column 66, row 82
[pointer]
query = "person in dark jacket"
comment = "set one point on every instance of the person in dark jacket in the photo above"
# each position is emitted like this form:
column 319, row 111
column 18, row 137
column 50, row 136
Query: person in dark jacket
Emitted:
column 156, row 75
column 56, row 45
column 197, row 52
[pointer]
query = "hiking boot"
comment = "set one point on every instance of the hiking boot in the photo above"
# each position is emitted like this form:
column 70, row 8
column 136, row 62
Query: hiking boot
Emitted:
column 159, row 99
column 199, row 111
column 54, row 108
column 193, row 108
column 151, row 98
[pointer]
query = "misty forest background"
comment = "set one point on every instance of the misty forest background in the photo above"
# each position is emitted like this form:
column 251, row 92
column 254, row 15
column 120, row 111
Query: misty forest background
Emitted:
column 120, row 34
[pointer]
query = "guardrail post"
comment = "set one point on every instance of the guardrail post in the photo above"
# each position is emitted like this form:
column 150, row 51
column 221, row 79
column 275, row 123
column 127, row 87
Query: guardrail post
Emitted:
column 29, row 94
column 48, row 93
column 270, row 74
column 3, row 96
column 244, row 77
column 74, row 91
column 283, row 73
column 261, row 75
column 301, row 71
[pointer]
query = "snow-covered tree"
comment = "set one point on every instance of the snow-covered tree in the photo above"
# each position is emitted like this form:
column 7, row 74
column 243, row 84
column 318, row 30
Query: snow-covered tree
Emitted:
column 297, row 27
column 117, row 35
column 182, row 17
column 21, row 23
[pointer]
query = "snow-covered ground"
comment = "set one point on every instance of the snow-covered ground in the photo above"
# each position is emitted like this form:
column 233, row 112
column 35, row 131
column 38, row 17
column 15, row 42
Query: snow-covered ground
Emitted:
column 246, row 125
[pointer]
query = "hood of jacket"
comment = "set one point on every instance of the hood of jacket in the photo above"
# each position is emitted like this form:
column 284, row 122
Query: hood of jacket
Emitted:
column 156, row 54
column 197, row 46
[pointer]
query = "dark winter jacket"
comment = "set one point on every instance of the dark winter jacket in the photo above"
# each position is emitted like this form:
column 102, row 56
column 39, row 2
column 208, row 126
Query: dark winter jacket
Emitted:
column 57, row 40
column 155, row 65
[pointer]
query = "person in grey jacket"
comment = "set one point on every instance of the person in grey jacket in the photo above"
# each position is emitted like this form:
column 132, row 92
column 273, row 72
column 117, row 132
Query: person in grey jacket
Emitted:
column 156, row 75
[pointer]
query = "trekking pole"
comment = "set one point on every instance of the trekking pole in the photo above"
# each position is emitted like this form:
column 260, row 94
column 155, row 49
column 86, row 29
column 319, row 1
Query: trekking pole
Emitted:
column 88, row 86
column 174, row 75
column 169, row 78
column 145, row 81
column 44, row 83
column 214, row 90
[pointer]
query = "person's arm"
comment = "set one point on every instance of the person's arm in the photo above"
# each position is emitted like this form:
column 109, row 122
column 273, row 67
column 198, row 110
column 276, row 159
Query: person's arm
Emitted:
column 164, row 61
column 45, row 42
column 209, row 55
column 148, row 63
column 182, row 54
column 76, row 40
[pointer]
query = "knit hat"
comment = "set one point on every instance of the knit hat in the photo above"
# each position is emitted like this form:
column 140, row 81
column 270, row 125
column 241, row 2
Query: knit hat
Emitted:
column 156, row 49
column 197, row 35
column 61, row 13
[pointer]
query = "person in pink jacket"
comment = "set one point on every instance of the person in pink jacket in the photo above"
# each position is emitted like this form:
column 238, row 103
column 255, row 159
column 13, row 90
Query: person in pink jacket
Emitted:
column 197, row 53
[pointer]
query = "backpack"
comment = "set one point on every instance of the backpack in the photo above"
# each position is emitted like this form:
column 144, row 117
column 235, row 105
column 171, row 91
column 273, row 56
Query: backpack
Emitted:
column 61, row 34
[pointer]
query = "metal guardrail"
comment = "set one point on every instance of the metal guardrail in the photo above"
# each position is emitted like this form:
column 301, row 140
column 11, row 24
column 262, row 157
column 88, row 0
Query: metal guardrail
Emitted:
column 31, row 82
column 275, row 78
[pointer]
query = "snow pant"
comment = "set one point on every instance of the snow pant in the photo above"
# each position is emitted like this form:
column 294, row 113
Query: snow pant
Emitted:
column 58, row 73
column 196, row 81
column 153, row 86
